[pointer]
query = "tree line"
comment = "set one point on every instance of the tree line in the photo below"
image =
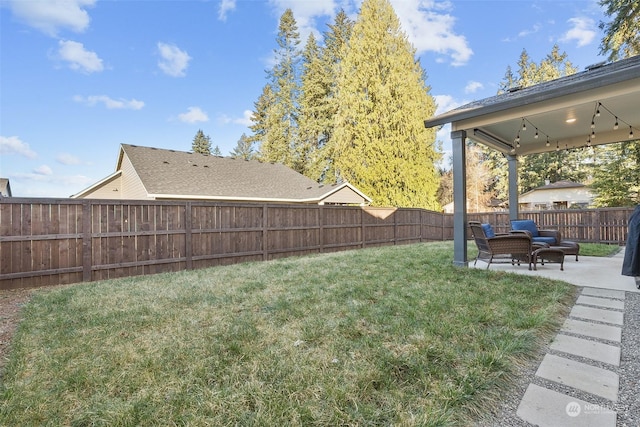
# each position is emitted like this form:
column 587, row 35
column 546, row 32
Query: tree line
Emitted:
column 350, row 107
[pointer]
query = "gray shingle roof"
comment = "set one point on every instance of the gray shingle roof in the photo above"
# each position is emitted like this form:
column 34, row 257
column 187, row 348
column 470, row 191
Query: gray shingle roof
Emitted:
column 179, row 173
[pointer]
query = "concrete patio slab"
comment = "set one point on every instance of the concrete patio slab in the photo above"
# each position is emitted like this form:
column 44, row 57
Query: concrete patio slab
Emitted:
column 594, row 330
column 547, row 408
column 600, row 302
column 591, row 379
column 603, row 293
column 597, row 314
column 594, row 350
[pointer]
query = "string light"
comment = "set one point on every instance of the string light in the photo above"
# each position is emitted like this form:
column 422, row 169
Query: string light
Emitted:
column 630, row 132
column 548, row 143
column 598, row 110
column 615, row 126
column 536, row 135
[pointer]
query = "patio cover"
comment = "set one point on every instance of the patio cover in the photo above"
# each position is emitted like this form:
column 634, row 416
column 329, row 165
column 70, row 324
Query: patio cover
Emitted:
column 600, row 105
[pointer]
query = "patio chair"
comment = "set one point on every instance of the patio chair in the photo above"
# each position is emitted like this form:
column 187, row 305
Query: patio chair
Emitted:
column 552, row 238
column 501, row 247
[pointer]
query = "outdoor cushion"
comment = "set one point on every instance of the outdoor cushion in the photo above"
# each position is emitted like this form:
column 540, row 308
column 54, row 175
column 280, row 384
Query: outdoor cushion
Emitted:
column 541, row 239
column 488, row 231
column 526, row 225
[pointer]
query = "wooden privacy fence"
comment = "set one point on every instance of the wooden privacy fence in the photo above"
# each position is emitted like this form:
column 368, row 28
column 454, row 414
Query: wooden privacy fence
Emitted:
column 607, row 225
column 59, row 241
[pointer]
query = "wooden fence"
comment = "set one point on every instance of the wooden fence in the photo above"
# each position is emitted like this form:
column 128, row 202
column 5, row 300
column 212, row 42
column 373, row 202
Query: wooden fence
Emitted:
column 59, row 241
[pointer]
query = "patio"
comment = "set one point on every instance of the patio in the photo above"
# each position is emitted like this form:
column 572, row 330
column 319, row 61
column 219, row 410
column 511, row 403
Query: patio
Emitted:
column 593, row 272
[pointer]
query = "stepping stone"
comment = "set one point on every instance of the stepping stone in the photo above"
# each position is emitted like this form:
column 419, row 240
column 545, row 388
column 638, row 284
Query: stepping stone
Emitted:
column 591, row 379
column 594, row 330
column 590, row 349
column 597, row 314
column 606, row 293
column 600, row 302
column 547, row 408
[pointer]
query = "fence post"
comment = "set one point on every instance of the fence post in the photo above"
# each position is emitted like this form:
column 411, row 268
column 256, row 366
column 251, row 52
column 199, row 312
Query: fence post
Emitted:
column 265, row 233
column 87, row 256
column 362, row 227
column 321, row 228
column 188, row 241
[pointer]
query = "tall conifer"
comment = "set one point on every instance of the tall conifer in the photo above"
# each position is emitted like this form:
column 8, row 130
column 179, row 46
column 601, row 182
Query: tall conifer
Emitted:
column 383, row 147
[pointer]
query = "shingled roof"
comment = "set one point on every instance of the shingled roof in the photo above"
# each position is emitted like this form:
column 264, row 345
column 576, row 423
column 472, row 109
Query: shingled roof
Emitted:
column 172, row 174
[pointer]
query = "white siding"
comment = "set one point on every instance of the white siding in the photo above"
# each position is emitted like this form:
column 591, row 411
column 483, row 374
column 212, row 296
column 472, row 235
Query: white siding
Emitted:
column 132, row 187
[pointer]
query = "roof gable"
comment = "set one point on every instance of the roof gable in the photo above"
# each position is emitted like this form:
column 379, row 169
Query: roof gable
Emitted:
column 180, row 174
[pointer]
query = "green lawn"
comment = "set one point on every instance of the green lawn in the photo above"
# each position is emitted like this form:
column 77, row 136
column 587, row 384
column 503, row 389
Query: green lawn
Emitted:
column 394, row 335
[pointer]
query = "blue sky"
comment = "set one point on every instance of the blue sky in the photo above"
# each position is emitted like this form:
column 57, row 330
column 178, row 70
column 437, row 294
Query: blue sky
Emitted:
column 80, row 77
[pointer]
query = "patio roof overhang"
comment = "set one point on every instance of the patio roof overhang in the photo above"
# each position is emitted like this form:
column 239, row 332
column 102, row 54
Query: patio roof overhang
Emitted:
column 560, row 111
column 567, row 113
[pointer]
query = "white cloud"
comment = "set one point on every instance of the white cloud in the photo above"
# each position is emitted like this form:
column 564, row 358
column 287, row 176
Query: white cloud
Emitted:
column 193, row 115
column 245, row 120
column 527, row 32
column 583, row 31
column 13, row 145
column 174, row 61
column 78, row 57
column 431, row 30
column 305, row 13
column 111, row 104
column 446, row 103
column 51, row 16
column 67, row 159
column 473, row 87
column 225, row 7
column 426, row 22
column 43, row 170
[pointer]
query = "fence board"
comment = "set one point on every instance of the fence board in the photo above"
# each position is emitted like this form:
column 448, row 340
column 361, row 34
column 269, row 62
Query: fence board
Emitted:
column 55, row 241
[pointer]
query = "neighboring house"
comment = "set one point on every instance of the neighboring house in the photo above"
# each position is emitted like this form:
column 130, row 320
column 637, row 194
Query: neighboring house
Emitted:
column 558, row 195
column 5, row 188
column 159, row 174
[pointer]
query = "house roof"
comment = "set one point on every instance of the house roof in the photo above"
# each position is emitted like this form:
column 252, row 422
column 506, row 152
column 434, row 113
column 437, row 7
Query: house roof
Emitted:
column 558, row 185
column 179, row 174
column 546, row 108
column 5, row 188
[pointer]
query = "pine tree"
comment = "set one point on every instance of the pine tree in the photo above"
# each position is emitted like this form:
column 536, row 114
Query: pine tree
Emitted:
column 321, row 160
column 243, row 149
column 312, row 98
column 617, row 175
column 622, row 34
column 275, row 124
column 382, row 145
column 216, row 151
column 535, row 169
column 201, row 143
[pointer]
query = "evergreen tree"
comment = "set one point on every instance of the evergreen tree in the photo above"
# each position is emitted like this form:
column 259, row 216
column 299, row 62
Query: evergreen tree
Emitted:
column 201, row 143
column 321, row 161
column 216, row 151
column 243, row 149
column 617, row 175
column 622, row 34
column 382, row 145
column 535, row 169
column 276, row 125
column 312, row 100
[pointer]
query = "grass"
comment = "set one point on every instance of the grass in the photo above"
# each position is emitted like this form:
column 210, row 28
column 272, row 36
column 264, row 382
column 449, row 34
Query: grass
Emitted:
column 382, row 336
column 598, row 249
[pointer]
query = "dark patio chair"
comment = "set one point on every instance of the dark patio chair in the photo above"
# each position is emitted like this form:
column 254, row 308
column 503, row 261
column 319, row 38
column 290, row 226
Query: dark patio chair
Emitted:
column 501, row 247
column 551, row 238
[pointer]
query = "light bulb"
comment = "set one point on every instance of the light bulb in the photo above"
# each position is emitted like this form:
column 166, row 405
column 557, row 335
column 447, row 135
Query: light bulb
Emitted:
column 593, row 135
column 536, row 135
column 593, row 124
column 615, row 127
column 630, row 132
column 548, row 142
